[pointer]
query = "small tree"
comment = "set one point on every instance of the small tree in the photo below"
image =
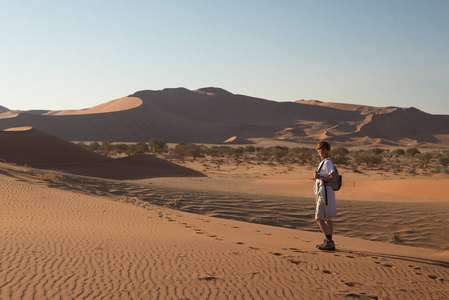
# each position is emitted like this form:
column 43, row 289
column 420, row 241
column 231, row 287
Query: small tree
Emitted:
column 120, row 148
column 279, row 152
column 398, row 152
column 412, row 151
column 158, row 146
column 445, row 162
column 340, row 155
column 193, row 150
column 180, row 151
column 94, row 146
column 137, row 149
column 106, row 147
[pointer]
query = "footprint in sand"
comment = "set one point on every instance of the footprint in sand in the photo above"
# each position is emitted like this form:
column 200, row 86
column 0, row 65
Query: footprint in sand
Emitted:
column 352, row 283
column 294, row 261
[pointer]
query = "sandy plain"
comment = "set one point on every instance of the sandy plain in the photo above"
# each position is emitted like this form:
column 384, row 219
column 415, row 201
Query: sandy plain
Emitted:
column 76, row 237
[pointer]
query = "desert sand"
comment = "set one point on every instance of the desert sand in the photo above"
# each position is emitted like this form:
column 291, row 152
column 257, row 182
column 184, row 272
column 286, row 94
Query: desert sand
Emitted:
column 71, row 244
column 145, row 228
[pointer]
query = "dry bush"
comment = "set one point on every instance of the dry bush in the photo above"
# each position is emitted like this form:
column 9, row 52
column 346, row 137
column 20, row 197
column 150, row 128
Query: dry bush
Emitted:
column 51, row 176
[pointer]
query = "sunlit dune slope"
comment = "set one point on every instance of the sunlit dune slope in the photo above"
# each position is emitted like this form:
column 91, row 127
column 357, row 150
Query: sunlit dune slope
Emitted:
column 213, row 115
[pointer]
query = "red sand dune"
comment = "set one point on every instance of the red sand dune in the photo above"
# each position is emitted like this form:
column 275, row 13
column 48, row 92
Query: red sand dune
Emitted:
column 212, row 115
column 29, row 146
column 121, row 104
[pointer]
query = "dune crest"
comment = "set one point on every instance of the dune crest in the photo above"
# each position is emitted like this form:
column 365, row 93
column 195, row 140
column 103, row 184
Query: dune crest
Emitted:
column 23, row 128
column 212, row 115
column 121, row 104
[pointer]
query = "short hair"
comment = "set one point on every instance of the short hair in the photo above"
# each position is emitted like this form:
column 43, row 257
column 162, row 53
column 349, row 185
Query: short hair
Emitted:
column 322, row 144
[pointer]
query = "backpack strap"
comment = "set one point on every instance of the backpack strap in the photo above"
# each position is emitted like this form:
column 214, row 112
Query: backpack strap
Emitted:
column 325, row 187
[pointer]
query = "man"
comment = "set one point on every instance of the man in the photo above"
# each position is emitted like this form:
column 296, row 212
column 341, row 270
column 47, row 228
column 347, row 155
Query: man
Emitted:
column 326, row 207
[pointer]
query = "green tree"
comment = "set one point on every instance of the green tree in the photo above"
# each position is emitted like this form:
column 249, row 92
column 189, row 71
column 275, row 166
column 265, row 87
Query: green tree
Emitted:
column 412, row 151
column 158, row 146
column 137, row 149
column 94, row 146
column 445, row 162
column 370, row 160
column 120, row 148
column 398, row 152
column 106, row 147
column 250, row 149
column 425, row 159
column 279, row 152
column 340, row 155
column 194, row 150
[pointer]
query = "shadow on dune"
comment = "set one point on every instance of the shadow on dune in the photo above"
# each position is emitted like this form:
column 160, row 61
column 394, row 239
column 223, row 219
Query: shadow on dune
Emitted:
column 127, row 168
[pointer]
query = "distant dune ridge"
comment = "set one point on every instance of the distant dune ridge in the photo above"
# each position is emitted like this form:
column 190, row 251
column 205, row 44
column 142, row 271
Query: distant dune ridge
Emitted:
column 213, row 115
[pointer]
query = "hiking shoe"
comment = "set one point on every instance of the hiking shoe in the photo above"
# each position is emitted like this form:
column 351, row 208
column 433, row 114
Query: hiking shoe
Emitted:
column 327, row 245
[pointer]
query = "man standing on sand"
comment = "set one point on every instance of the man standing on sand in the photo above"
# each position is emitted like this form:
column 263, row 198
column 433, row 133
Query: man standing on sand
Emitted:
column 326, row 207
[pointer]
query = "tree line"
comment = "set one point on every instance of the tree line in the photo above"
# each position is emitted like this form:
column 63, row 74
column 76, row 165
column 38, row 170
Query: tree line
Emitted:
column 396, row 159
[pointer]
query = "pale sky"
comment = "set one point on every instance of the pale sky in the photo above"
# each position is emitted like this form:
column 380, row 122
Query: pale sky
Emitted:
column 77, row 54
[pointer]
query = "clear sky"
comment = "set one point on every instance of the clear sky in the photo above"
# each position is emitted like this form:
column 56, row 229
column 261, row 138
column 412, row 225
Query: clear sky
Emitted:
column 74, row 54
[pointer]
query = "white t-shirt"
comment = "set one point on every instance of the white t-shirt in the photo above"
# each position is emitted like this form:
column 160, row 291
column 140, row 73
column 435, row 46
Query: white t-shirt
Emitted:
column 325, row 171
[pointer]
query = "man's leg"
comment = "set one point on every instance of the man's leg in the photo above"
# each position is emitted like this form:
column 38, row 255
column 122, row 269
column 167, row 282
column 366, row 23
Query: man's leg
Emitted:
column 326, row 226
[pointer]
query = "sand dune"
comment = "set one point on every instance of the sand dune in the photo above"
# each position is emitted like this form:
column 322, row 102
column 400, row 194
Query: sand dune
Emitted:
column 29, row 146
column 26, row 145
column 128, row 168
column 213, row 115
column 121, row 104
column 57, row 243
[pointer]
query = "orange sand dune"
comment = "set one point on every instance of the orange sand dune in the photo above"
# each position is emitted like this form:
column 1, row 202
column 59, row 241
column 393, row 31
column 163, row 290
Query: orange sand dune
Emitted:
column 212, row 115
column 57, row 243
column 121, row 104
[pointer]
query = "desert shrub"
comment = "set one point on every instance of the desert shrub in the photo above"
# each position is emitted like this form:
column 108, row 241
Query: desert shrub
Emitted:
column 138, row 148
column 193, row 150
column 398, row 152
column 263, row 154
column 82, row 144
column 51, row 176
column 120, row 148
column 340, row 155
column 158, row 146
column 424, row 159
column 180, row 151
column 412, row 151
column 303, row 154
column 370, row 160
column 106, row 147
column 279, row 152
column 376, row 151
column 94, row 146
column 225, row 151
column 238, row 152
column 444, row 161
column 250, row 149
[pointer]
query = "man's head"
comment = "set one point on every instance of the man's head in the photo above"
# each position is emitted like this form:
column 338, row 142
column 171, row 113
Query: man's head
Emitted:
column 323, row 144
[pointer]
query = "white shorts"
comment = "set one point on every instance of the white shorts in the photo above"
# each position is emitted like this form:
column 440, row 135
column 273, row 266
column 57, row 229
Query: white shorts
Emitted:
column 320, row 212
